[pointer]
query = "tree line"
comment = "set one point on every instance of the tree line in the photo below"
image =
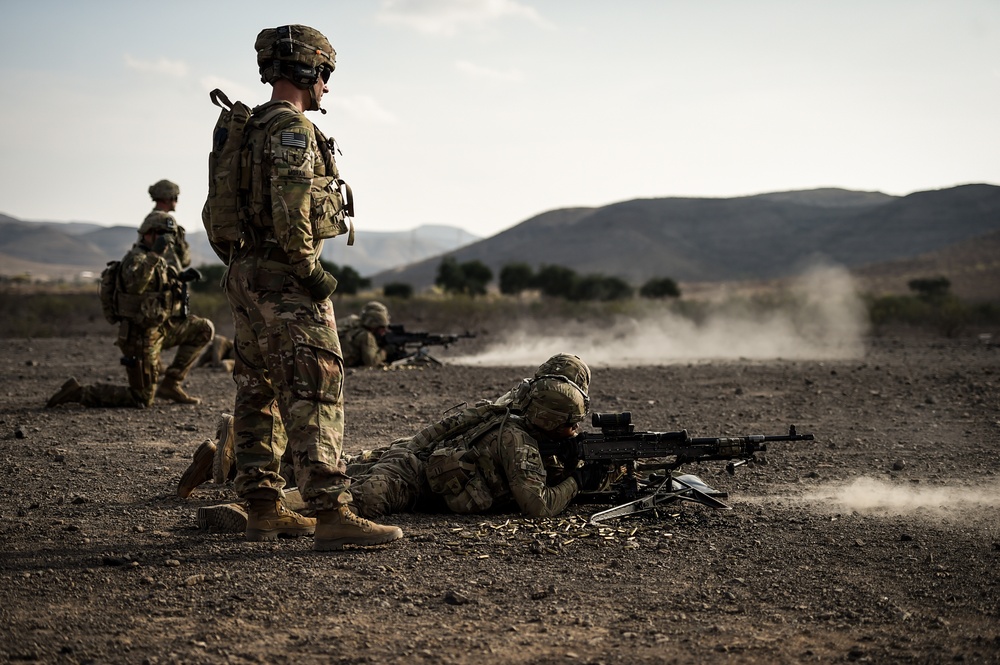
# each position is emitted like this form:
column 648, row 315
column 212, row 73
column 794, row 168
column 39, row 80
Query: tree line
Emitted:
column 472, row 278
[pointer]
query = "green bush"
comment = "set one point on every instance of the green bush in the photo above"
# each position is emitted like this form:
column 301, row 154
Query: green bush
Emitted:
column 556, row 281
column 211, row 278
column 660, row 287
column 397, row 290
column 601, row 288
column 515, row 278
column 469, row 278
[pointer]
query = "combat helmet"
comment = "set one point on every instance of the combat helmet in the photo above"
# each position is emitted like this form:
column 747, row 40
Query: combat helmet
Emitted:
column 566, row 365
column 555, row 402
column 374, row 315
column 295, row 52
column 164, row 190
column 158, row 220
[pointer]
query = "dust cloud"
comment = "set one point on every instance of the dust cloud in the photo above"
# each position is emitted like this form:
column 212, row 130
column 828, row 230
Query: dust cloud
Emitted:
column 872, row 496
column 820, row 317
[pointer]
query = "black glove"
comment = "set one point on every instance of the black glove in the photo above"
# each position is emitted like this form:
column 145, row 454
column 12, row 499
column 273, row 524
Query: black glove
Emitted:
column 320, row 284
column 589, row 477
column 189, row 275
column 160, row 244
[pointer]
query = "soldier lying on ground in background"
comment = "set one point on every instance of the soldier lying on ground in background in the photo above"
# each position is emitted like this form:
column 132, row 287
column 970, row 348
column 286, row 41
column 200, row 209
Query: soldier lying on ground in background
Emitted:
column 219, row 354
column 361, row 336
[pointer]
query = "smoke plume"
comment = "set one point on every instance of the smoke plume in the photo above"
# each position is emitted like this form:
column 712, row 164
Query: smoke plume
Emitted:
column 819, row 318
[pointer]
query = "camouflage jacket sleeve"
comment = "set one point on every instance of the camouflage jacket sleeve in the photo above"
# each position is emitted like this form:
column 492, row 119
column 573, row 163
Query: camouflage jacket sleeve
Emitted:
column 522, row 465
column 143, row 271
column 295, row 161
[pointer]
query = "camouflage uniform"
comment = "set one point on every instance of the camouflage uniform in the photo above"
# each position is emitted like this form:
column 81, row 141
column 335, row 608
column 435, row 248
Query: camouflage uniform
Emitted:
column 155, row 325
column 361, row 347
column 289, row 367
column 485, row 458
column 178, row 252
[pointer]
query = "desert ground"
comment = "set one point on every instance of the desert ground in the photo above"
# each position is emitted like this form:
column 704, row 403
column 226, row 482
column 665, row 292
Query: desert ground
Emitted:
column 877, row 542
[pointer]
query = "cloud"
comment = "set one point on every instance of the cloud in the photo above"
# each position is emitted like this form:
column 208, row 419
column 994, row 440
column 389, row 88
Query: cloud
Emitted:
column 172, row 68
column 484, row 73
column 448, row 17
column 362, row 107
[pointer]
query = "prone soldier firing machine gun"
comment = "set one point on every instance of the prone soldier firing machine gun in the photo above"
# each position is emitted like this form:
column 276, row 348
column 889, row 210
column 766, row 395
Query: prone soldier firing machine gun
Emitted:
column 408, row 347
column 620, row 456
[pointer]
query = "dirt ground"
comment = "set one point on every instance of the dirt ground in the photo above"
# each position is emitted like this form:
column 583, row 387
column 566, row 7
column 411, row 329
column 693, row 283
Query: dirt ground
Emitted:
column 878, row 542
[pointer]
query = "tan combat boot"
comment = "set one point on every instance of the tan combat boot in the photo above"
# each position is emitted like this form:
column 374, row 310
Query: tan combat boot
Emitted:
column 71, row 391
column 225, row 455
column 337, row 528
column 267, row 519
column 223, row 518
column 170, row 388
column 200, row 470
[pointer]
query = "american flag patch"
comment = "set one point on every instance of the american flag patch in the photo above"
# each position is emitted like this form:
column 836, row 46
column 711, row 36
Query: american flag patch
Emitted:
column 293, row 139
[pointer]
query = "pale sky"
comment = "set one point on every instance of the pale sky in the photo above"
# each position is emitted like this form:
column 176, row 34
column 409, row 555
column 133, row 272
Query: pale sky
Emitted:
column 483, row 113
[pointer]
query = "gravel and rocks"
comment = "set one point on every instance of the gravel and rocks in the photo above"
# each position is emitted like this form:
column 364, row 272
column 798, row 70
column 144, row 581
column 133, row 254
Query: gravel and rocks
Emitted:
column 878, row 542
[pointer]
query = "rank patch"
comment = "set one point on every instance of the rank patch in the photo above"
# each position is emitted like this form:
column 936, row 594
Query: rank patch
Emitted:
column 293, row 140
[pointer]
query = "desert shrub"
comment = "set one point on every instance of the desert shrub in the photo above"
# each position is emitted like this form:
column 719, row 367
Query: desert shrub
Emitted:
column 211, row 278
column 469, row 278
column 556, row 281
column 515, row 278
column 660, row 287
column 599, row 287
column 930, row 288
column 349, row 281
column 397, row 290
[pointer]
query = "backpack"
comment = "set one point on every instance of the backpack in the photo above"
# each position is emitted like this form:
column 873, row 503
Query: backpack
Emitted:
column 223, row 214
column 109, row 291
column 231, row 209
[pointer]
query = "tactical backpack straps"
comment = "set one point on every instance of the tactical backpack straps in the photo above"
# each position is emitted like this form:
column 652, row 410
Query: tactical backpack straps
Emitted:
column 219, row 99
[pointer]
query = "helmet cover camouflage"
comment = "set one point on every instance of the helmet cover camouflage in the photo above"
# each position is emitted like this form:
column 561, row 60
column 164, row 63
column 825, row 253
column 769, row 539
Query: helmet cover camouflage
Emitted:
column 296, row 52
column 164, row 190
column 374, row 315
column 567, row 365
column 158, row 220
column 555, row 402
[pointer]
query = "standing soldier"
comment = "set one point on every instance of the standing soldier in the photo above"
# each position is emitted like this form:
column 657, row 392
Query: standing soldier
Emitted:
column 150, row 302
column 289, row 366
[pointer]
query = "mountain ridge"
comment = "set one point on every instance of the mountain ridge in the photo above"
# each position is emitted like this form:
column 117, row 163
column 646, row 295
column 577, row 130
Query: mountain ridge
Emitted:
column 762, row 236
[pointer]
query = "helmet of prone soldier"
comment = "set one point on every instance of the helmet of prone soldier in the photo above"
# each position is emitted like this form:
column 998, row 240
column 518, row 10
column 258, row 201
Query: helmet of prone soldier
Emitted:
column 164, row 190
column 374, row 315
column 567, row 365
column 555, row 402
column 295, row 52
column 160, row 221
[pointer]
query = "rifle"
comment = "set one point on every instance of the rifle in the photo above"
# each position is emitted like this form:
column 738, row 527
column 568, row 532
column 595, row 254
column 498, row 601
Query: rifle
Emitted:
column 622, row 455
column 409, row 347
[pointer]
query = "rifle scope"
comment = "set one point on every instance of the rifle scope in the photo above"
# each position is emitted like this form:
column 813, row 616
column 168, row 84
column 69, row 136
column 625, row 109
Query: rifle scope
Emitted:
column 612, row 420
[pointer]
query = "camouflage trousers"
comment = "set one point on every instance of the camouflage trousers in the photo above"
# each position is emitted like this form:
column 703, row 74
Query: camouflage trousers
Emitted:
column 289, row 386
column 141, row 349
column 389, row 480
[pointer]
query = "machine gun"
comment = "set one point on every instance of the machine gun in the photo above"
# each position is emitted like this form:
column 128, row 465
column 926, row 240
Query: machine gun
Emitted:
column 407, row 347
column 639, row 468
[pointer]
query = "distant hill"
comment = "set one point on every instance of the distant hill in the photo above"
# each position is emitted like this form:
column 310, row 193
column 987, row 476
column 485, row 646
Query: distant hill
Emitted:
column 75, row 250
column 766, row 236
